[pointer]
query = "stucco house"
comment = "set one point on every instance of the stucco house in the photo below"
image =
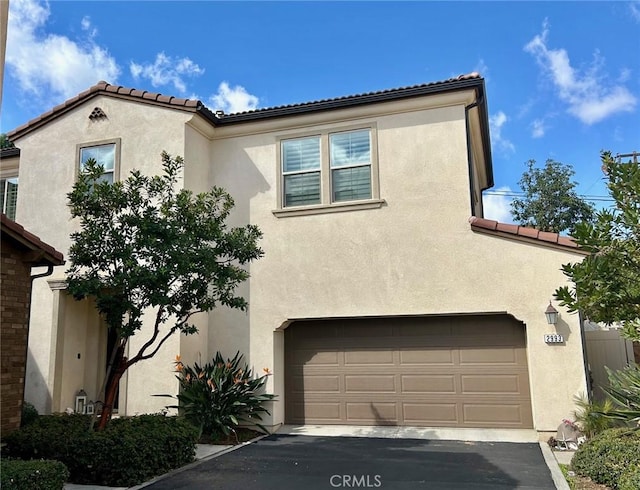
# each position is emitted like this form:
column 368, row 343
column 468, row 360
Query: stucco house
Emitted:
column 383, row 298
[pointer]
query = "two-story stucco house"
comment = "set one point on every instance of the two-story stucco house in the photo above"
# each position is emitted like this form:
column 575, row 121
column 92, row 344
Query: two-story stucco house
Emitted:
column 383, row 298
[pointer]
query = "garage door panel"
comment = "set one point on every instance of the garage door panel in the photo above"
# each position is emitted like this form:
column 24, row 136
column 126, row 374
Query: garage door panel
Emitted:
column 316, row 384
column 422, row 383
column 482, row 415
column 327, row 332
column 492, row 383
column 362, row 330
column 323, row 412
column 471, row 355
column 429, row 413
column 378, row 413
column 426, row 356
column 370, row 384
column 461, row 372
column 379, row 357
column 415, row 328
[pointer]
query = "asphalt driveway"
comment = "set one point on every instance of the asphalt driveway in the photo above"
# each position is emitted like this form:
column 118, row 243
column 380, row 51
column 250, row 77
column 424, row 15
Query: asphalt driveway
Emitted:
column 285, row 462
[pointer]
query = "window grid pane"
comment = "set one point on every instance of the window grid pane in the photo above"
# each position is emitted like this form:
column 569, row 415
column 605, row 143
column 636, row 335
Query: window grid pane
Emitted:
column 9, row 197
column 351, row 184
column 105, row 155
column 301, row 154
column 352, row 148
column 302, row 189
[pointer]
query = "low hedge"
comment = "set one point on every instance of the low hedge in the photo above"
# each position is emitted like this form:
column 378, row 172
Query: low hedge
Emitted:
column 128, row 452
column 608, row 456
column 34, row 475
column 630, row 479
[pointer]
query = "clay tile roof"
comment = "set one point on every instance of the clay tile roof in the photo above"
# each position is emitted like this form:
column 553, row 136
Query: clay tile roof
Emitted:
column 363, row 96
column 473, row 79
column 516, row 231
column 49, row 255
column 103, row 87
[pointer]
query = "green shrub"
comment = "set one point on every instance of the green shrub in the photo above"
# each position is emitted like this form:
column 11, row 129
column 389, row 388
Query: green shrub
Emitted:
column 630, row 479
column 607, row 456
column 29, row 414
column 129, row 451
column 591, row 416
column 220, row 395
column 624, row 390
column 34, row 475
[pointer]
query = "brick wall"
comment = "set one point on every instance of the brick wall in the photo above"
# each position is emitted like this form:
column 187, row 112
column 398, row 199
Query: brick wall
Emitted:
column 15, row 289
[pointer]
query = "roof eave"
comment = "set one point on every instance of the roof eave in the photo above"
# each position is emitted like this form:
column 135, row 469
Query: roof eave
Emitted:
column 43, row 254
column 486, row 137
column 353, row 101
column 525, row 234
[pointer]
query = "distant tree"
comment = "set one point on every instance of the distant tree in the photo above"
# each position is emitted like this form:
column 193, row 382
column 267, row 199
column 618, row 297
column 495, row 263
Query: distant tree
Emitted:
column 607, row 281
column 143, row 247
column 4, row 142
column 550, row 202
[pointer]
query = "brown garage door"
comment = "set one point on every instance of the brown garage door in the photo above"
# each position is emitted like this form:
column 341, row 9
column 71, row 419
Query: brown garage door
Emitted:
column 462, row 371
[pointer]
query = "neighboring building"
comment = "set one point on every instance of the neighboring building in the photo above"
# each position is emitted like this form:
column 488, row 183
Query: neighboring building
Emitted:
column 21, row 251
column 378, row 300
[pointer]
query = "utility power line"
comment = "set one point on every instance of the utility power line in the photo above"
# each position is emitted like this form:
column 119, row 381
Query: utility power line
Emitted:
column 522, row 194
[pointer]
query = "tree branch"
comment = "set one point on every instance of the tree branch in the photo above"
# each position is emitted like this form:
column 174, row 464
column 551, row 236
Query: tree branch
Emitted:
column 139, row 357
column 156, row 332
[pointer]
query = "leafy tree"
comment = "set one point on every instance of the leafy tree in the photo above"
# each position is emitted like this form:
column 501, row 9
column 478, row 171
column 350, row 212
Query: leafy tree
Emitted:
column 4, row 142
column 550, row 202
column 145, row 247
column 607, row 281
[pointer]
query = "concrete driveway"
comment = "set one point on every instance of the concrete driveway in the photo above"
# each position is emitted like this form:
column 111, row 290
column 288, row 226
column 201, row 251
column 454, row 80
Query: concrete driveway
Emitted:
column 313, row 463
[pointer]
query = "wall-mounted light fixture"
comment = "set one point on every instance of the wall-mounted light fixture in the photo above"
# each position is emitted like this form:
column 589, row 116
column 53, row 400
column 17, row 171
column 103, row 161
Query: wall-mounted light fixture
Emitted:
column 552, row 314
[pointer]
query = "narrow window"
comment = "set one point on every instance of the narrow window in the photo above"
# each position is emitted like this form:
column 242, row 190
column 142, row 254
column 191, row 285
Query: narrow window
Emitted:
column 350, row 156
column 301, row 171
column 9, row 196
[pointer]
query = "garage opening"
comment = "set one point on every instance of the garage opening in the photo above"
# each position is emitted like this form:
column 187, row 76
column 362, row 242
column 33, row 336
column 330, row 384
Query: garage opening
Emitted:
column 445, row 371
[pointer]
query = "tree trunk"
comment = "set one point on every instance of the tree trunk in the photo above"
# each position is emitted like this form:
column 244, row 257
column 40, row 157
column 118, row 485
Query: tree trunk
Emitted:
column 111, row 390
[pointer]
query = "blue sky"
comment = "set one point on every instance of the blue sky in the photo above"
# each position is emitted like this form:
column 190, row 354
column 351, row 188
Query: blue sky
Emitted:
column 563, row 78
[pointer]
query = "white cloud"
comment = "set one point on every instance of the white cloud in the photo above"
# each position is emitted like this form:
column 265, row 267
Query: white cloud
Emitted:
column 634, row 9
column 52, row 67
column 482, row 68
column 589, row 95
column 235, row 99
column 166, row 70
column 496, row 122
column 497, row 205
column 625, row 75
column 538, row 128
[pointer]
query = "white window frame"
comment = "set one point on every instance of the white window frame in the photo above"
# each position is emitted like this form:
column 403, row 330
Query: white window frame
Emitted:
column 5, row 207
column 116, row 164
column 327, row 205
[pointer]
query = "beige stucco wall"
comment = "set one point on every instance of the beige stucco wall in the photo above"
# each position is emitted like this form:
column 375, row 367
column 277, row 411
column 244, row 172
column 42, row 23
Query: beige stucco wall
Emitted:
column 415, row 255
column 48, row 164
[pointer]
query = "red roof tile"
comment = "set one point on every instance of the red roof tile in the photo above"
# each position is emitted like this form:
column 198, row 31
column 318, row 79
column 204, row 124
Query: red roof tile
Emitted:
column 103, row 87
column 191, row 105
column 16, row 231
column 514, row 231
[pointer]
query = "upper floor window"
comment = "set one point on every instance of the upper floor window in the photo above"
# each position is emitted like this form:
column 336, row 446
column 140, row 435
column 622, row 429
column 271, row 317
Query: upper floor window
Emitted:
column 105, row 153
column 328, row 169
column 350, row 158
column 9, row 196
